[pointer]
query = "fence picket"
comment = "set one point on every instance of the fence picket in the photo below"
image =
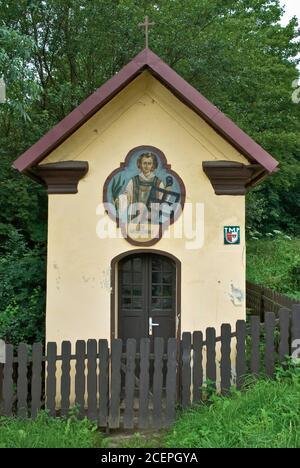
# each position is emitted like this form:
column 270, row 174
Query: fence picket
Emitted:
column 211, row 372
column 240, row 353
column 1, row 384
column 129, row 383
column 80, row 377
column 197, row 366
column 92, row 380
column 269, row 344
column 225, row 358
column 284, row 325
column 255, row 340
column 8, row 390
column 158, row 382
column 65, row 377
column 51, row 378
column 144, row 384
column 36, row 381
column 171, row 384
column 116, row 353
column 295, row 329
column 22, row 383
column 103, row 382
column 186, row 370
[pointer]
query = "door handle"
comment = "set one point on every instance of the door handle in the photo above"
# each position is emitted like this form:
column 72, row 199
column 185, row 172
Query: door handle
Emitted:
column 151, row 325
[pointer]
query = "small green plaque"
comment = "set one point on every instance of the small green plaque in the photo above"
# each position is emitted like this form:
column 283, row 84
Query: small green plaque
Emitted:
column 232, row 235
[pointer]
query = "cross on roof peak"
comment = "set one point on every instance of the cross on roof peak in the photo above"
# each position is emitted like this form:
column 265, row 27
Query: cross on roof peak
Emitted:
column 146, row 25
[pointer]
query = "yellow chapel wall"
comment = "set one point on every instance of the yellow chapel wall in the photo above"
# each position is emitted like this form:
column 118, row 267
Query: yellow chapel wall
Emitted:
column 78, row 268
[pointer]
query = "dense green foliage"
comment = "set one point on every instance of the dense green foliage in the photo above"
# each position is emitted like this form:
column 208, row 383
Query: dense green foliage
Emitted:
column 275, row 263
column 266, row 415
column 53, row 54
column 22, row 291
column 46, row 432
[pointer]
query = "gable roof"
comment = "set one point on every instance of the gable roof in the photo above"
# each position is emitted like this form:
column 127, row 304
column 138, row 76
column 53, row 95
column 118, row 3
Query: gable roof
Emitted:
column 146, row 60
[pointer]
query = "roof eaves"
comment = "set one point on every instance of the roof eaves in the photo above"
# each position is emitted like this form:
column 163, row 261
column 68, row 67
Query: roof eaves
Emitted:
column 176, row 84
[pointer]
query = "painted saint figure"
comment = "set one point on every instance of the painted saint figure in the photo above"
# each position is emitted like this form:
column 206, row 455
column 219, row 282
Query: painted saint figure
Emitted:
column 144, row 192
column 144, row 195
column 143, row 188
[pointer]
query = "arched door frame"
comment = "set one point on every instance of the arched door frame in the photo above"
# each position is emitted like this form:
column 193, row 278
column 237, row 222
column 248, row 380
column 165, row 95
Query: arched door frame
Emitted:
column 114, row 287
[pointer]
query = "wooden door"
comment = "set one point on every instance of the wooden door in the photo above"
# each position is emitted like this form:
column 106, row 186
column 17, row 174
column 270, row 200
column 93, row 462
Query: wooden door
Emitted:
column 147, row 293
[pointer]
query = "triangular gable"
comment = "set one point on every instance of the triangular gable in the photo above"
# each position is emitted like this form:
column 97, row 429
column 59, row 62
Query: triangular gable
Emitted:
column 176, row 84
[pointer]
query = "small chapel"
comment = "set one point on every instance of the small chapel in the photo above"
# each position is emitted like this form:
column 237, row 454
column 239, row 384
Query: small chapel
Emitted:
column 146, row 183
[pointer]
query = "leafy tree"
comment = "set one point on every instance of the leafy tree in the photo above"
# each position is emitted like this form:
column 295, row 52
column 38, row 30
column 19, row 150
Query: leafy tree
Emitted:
column 54, row 53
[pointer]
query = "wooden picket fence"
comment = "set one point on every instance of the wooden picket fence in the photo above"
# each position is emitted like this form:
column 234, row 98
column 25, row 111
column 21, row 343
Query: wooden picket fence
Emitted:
column 139, row 388
column 260, row 299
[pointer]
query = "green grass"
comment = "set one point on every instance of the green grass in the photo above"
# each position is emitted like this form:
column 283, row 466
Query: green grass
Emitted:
column 267, row 414
column 275, row 263
column 46, row 432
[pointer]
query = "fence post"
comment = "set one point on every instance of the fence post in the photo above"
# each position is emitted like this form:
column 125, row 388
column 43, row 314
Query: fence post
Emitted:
column 80, row 377
column 211, row 372
column 103, row 383
column 284, row 324
column 8, row 385
column 296, row 331
column 240, row 353
column 144, row 383
column 262, row 306
column 186, row 369
column 255, row 340
column 1, row 386
column 171, row 385
column 51, row 378
column 92, row 379
column 114, row 410
column 130, row 383
column 22, row 383
column 197, row 366
column 270, row 347
column 225, row 358
column 2, row 362
column 158, row 382
column 65, row 377
column 36, row 380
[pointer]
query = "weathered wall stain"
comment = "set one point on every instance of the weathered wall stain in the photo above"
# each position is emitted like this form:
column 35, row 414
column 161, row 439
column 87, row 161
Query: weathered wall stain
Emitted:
column 236, row 295
column 58, row 277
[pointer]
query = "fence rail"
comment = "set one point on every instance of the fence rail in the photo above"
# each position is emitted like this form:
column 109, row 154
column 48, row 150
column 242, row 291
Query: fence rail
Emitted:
column 131, row 385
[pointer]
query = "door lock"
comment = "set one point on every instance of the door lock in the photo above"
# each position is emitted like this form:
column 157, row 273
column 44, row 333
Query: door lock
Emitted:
column 151, row 325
